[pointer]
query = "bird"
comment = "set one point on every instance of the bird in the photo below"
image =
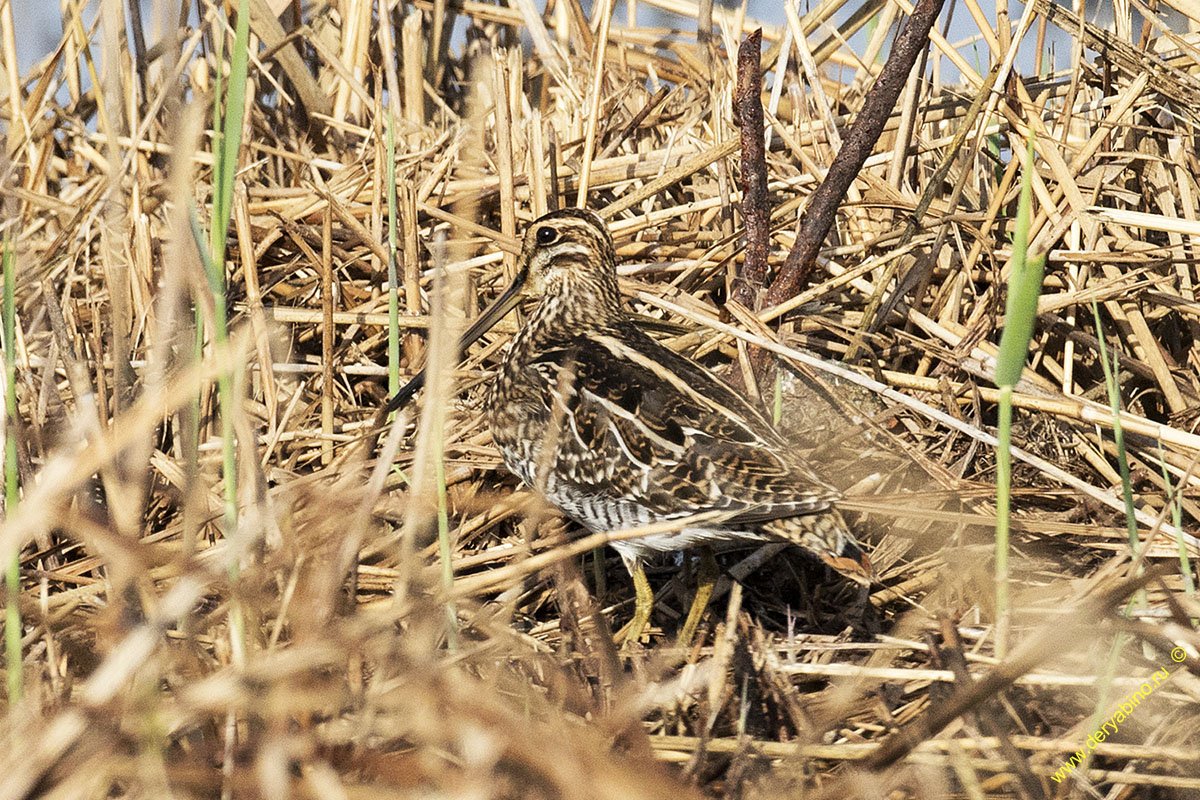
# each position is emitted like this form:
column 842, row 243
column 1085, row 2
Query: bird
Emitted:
column 618, row 431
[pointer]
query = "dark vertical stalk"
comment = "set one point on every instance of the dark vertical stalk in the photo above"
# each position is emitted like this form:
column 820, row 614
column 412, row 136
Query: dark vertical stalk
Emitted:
column 857, row 146
column 748, row 285
column 138, row 35
column 704, row 19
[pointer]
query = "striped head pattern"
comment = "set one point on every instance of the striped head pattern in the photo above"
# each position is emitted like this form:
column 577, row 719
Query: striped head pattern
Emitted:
column 570, row 263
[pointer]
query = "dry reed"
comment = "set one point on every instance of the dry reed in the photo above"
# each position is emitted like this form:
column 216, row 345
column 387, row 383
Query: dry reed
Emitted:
column 371, row 664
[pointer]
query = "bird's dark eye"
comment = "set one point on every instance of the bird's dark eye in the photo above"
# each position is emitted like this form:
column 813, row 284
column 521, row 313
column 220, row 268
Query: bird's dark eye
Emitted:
column 546, row 235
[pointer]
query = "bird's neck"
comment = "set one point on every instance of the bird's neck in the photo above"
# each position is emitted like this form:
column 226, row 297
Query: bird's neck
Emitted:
column 578, row 309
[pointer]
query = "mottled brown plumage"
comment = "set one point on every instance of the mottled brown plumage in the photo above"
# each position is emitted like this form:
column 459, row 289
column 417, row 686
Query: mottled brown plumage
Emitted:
column 618, row 431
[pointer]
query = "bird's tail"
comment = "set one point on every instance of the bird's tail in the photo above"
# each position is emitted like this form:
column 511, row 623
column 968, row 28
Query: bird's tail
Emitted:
column 826, row 535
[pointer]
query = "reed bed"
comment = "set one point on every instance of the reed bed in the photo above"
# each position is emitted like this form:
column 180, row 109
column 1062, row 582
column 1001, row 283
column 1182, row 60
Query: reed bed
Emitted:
column 231, row 583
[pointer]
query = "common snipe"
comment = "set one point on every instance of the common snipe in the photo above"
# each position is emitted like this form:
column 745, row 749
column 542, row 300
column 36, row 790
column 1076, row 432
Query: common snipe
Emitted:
column 618, row 431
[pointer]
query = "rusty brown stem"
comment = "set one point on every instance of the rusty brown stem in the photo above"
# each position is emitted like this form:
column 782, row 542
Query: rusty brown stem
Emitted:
column 857, row 146
column 755, row 212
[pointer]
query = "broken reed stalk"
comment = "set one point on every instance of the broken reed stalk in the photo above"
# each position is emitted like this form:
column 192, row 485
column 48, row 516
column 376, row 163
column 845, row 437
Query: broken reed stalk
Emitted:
column 756, row 215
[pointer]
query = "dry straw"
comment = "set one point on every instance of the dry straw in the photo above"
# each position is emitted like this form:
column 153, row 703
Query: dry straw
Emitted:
column 400, row 643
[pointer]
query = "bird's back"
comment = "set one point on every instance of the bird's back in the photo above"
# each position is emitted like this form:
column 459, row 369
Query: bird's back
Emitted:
column 638, row 433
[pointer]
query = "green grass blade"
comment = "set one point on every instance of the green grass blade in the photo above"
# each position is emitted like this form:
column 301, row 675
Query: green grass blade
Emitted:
column 444, row 552
column 1176, row 501
column 1003, row 506
column 12, row 576
column 1114, row 404
column 218, row 110
column 1024, row 287
column 393, row 280
column 225, row 159
column 228, row 144
column 226, row 397
column 1114, row 401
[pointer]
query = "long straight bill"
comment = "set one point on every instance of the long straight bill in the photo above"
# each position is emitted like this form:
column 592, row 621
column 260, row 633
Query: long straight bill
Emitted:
column 490, row 316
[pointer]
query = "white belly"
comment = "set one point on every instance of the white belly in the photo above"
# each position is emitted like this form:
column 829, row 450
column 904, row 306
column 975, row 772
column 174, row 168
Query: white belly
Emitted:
column 603, row 514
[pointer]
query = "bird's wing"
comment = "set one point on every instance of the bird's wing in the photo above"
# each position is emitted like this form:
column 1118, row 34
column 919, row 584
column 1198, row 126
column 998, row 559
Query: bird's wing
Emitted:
column 644, row 424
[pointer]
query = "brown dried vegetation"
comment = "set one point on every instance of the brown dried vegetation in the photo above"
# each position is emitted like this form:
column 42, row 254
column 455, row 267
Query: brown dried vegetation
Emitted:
column 362, row 669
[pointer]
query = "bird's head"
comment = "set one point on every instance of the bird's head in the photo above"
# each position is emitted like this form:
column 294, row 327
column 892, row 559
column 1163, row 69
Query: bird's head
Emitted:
column 568, row 256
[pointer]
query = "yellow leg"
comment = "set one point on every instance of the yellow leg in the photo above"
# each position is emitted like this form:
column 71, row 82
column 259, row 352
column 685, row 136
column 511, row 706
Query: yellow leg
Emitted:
column 706, row 581
column 641, row 608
